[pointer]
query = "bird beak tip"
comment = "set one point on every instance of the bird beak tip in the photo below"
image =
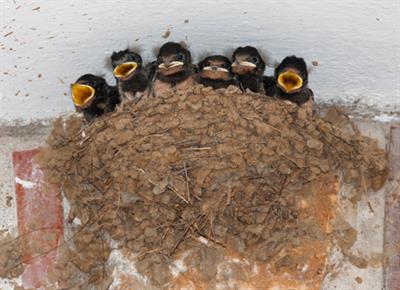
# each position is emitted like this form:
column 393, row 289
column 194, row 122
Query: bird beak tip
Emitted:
column 248, row 64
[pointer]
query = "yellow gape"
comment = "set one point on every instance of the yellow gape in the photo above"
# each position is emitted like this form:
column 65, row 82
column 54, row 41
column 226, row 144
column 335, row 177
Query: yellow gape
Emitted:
column 290, row 81
column 125, row 69
column 82, row 95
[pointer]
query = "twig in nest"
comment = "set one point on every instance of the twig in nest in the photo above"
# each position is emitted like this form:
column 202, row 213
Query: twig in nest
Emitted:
column 370, row 207
column 111, row 223
column 197, row 197
column 263, row 121
column 119, row 203
column 201, row 223
column 165, row 234
column 185, row 170
column 287, row 158
column 365, row 189
column 97, row 187
column 79, row 133
column 339, row 137
column 229, row 195
column 273, row 128
column 212, row 240
column 177, row 193
column 187, row 182
column 212, row 218
column 283, row 185
column 147, row 177
column 148, row 252
column 178, row 172
column 161, row 134
column 104, row 259
column 182, row 236
column 30, row 232
column 197, row 148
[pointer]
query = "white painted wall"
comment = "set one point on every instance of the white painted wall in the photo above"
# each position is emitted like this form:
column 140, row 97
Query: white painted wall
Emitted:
column 356, row 42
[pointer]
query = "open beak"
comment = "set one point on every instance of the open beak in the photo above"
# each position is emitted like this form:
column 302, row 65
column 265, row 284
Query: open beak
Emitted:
column 215, row 68
column 82, row 95
column 289, row 81
column 170, row 65
column 244, row 63
column 125, row 69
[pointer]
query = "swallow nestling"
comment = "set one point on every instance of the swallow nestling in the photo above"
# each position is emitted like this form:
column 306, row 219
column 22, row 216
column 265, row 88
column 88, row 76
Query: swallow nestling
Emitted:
column 173, row 68
column 150, row 70
column 93, row 96
column 215, row 72
column 291, row 78
column 132, row 81
column 269, row 85
column 248, row 67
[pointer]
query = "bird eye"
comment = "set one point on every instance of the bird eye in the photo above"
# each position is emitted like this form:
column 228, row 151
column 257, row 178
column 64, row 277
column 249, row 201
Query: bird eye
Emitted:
column 180, row 57
column 254, row 59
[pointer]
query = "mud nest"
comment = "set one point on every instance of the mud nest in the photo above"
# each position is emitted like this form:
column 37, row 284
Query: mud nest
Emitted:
column 165, row 174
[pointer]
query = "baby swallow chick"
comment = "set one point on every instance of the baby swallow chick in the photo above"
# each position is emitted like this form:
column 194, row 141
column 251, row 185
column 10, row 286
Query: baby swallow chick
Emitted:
column 269, row 85
column 248, row 67
column 173, row 68
column 291, row 79
column 215, row 72
column 93, row 96
column 132, row 81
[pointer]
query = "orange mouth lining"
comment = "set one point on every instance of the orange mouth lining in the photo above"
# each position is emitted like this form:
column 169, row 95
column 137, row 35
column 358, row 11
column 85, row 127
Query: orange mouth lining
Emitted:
column 125, row 69
column 290, row 81
column 82, row 95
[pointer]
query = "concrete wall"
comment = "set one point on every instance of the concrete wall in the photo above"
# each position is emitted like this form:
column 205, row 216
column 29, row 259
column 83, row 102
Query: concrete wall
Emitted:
column 45, row 45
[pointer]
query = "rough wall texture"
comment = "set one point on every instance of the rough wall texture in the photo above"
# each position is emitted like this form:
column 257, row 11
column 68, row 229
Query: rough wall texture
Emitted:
column 45, row 45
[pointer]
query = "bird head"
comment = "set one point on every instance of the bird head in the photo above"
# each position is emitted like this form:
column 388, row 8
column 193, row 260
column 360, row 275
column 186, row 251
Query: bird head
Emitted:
column 85, row 89
column 215, row 67
column 291, row 74
column 172, row 58
column 126, row 64
column 247, row 60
